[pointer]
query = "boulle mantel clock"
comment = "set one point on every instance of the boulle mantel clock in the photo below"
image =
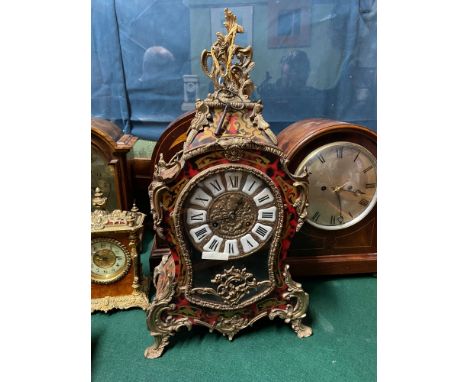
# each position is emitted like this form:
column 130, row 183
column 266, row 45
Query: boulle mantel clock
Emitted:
column 227, row 207
column 340, row 233
column 109, row 166
column 117, row 281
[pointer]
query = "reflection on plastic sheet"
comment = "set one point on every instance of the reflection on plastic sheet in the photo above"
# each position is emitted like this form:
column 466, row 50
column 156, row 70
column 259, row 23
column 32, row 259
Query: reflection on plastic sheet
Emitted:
column 313, row 59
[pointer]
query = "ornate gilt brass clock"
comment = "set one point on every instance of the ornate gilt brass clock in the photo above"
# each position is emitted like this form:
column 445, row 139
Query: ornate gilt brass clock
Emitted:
column 340, row 234
column 116, row 276
column 227, row 206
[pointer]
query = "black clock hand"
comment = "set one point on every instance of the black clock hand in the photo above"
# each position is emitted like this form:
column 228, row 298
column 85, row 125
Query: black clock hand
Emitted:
column 339, row 200
column 239, row 204
column 355, row 192
column 337, row 191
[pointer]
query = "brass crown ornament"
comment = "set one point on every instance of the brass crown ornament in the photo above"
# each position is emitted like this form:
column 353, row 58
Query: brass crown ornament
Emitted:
column 227, row 206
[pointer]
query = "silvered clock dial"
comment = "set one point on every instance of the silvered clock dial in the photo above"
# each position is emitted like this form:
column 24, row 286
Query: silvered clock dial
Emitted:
column 342, row 184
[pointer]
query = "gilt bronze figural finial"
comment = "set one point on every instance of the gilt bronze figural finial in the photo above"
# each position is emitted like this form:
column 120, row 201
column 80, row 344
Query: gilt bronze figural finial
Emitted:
column 231, row 64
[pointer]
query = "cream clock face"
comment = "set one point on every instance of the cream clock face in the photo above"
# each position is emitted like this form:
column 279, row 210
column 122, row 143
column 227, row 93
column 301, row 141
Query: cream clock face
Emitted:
column 230, row 214
column 110, row 261
column 342, row 184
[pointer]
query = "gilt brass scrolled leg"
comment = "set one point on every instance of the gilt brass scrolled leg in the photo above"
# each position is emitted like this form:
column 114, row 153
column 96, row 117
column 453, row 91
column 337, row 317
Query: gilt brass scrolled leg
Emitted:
column 155, row 350
column 301, row 329
column 294, row 313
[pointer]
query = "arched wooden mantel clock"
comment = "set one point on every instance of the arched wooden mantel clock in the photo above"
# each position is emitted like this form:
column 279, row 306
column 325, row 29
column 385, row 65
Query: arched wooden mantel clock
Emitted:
column 228, row 208
column 340, row 233
column 109, row 166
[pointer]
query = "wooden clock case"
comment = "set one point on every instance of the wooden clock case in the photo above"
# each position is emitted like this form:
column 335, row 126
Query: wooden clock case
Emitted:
column 170, row 143
column 315, row 251
column 113, row 145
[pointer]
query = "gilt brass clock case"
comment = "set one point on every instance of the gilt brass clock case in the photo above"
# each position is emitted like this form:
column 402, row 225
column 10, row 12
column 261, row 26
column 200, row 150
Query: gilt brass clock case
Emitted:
column 117, row 280
column 226, row 263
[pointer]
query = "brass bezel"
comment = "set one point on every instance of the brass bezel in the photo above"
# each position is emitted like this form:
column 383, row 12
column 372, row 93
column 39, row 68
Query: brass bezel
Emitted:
column 118, row 275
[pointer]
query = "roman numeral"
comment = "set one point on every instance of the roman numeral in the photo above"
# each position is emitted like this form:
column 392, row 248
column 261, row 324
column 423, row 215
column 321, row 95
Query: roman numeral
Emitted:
column 368, row 169
column 321, row 158
column 231, row 248
column 234, row 181
column 202, row 199
column 215, row 185
column 339, row 152
column 214, row 245
column 332, row 220
column 200, row 234
column 316, row 216
column 370, row 185
column 263, row 198
column 261, row 231
column 356, row 156
column 249, row 243
column 267, row 214
column 252, row 185
column 350, row 214
column 364, row 202
column 197, row 217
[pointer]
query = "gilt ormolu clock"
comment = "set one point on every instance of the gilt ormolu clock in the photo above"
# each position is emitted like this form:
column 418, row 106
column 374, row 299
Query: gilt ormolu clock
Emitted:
column 117, row 281
column 228, row 207
column 340, row 233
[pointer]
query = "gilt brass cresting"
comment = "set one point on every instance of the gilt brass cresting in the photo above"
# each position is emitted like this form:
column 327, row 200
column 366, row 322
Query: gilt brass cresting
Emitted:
column 228, row 77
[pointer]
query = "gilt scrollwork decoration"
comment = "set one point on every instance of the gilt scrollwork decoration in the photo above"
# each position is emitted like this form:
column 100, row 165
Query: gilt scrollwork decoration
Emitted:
column 302, row 185
column 231, row 63
column 159, row 317
column 163, row 174
column 294, row 313
column 232, row 285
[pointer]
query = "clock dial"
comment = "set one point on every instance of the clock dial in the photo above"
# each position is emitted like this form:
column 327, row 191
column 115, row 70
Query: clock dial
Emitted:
column 110, row 261
column 102, row 177
column 230, row 215
column 342, row 184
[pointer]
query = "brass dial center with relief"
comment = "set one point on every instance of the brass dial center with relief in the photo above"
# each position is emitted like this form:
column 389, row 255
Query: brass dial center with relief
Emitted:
column 230, row 214
column 342, row 184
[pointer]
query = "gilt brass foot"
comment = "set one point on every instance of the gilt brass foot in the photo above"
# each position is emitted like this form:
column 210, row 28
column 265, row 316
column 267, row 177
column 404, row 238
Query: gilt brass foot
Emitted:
column 155, row 350
column 294, row 313
column 301, row 329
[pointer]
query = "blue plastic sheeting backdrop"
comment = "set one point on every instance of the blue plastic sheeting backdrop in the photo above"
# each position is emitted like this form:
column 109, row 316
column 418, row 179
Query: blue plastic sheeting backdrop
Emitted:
column 314, row 58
